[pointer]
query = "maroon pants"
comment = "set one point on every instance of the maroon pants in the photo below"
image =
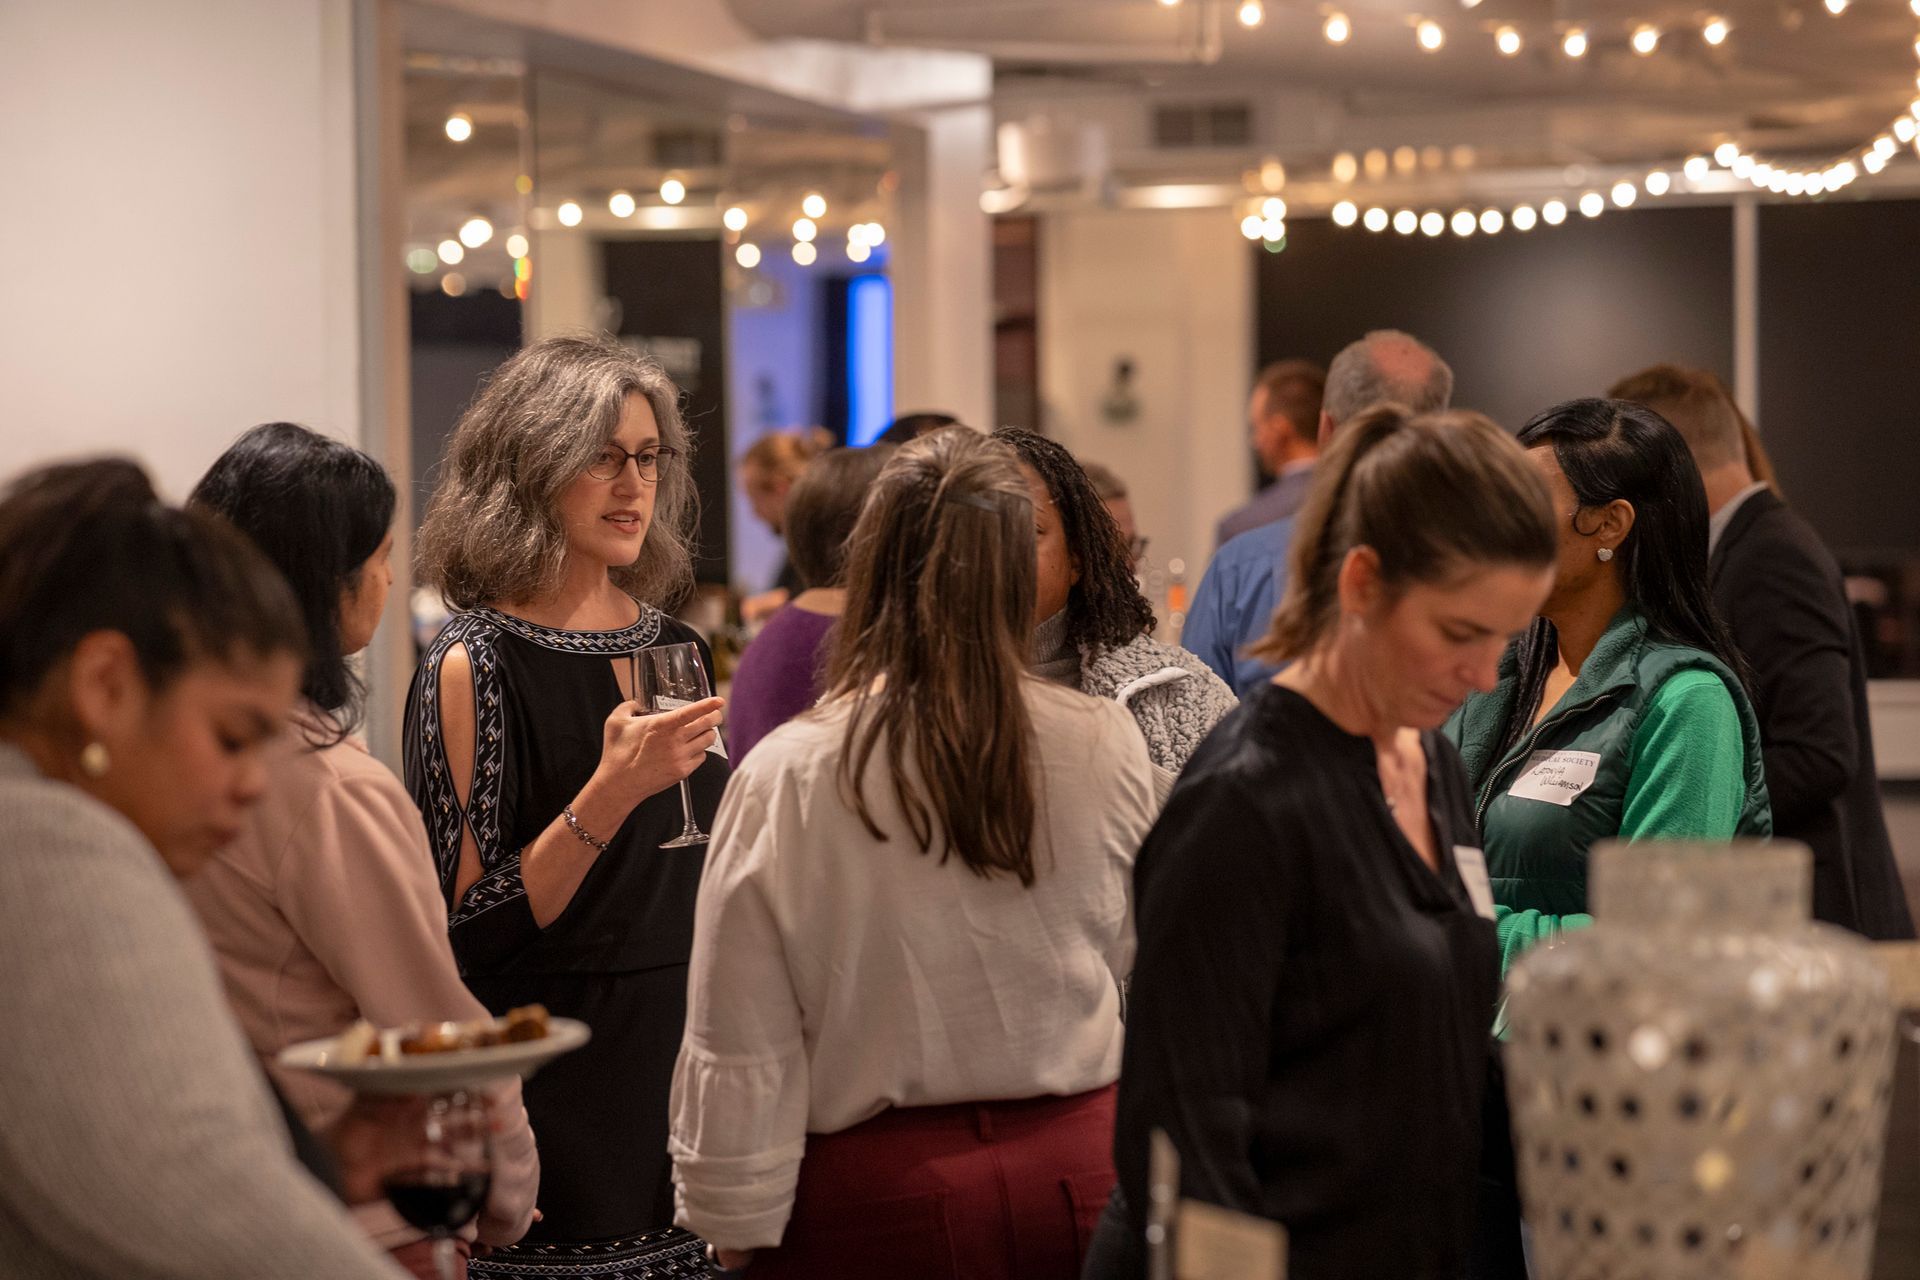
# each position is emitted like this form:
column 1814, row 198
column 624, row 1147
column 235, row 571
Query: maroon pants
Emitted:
column 973, row 1191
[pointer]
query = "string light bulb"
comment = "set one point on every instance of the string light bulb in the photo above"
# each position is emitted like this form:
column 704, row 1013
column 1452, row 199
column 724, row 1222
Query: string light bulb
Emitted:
column 1658, row 183
column 1625, row 193
column 1645, row 39
column 475, row 232
column 1345, row 214
column 1592, row 204
column 1273, row 207
column 1873, row 162
column 1574, row 43
column 1553, row 212
column 1524, row 218
column 857, row 252
column 1274, row 229
column 1337, row 29
column 1252, row 13
column 1697, row 168
column 673, row 191
column 1726, row 153
column 1345, row 167
column 814, row 205
column 804, row 253
column 1836, row 7
column 1250, row 226
column 1376, row 219
column 459, row 126
column 1406, row 222
column 1430, row 35
column 1432, row 222
column 1904, row 128
column 516, row 245
column 1507, row 41
column 451, row 252
column 569, row 214
column 734, row 219
column 804, row 230
column 1491, row 220
column 747, row 255
column 1464, row 222
column 1715, row 31
column 621, row 204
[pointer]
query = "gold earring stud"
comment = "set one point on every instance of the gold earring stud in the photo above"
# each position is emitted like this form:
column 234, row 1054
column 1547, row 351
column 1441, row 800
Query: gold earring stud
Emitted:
column 94, row 760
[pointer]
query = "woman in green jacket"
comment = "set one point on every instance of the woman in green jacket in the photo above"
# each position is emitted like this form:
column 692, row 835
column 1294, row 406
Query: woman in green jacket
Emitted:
column 1620, row 715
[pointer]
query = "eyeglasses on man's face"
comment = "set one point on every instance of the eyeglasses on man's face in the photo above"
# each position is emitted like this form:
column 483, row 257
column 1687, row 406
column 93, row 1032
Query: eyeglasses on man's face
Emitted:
column 608, row 463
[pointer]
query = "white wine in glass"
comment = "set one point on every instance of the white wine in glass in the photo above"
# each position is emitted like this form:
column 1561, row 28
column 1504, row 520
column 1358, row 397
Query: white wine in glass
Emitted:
column 668, row 677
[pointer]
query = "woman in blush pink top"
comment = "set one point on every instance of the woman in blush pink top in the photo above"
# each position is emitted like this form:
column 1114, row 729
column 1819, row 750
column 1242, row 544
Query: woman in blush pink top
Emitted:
column 326, row 909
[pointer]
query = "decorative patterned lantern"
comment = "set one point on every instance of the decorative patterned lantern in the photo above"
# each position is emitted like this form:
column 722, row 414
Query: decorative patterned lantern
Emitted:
column 1700, row 1081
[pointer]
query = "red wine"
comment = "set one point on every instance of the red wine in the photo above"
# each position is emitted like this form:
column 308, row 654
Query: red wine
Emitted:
column 438, row 1199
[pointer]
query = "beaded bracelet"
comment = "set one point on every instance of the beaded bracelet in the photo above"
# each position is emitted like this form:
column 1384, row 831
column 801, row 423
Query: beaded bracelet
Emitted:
column 573, row 825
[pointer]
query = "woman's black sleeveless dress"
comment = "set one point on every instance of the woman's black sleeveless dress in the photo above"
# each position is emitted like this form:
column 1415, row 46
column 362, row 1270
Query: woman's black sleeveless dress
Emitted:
column 616, row 958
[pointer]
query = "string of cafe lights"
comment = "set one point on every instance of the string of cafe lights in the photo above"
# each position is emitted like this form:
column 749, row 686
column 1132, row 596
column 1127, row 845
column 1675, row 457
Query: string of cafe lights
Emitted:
column 862, row 238
column 1575, row 38
column 1266, row 220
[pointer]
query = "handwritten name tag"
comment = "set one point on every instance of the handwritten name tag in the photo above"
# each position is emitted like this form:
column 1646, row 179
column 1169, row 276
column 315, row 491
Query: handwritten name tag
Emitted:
column 1472, row 865
column 1557, row 777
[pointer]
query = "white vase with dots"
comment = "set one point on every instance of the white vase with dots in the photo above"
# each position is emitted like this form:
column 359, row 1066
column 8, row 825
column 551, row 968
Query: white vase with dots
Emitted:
column 1699, row 1082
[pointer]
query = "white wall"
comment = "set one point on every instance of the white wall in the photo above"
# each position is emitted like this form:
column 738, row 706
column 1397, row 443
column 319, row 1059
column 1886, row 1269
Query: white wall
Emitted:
column 1173, row 292
column 179, row 224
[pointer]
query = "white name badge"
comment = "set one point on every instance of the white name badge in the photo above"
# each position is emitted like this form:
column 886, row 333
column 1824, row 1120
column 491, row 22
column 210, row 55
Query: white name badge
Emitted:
column 1557, row 777
column 1472, row 865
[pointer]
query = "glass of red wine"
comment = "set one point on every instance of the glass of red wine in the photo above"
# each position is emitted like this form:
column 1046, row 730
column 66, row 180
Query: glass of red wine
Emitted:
column 445, row 1167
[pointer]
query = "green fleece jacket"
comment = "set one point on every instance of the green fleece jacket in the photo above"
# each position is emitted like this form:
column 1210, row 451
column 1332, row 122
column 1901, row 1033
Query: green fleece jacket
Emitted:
column 1654, row 740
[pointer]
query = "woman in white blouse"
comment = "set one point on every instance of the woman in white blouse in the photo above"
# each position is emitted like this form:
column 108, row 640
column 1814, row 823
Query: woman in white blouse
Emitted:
column 903, row 1021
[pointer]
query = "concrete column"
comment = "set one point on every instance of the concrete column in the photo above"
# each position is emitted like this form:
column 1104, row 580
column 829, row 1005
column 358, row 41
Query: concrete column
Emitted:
column 942, row 265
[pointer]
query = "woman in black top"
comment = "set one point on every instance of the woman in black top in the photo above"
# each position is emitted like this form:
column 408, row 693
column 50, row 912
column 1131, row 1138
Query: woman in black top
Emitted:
column 558, row 529
column 1317, row 971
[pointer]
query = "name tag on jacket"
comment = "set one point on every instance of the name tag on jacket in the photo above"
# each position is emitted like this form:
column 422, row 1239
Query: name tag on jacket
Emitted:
column 1557, row 777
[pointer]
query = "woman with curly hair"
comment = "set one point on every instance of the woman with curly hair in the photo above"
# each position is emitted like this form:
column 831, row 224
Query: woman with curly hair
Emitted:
column 1092, row 624
column 560, row 531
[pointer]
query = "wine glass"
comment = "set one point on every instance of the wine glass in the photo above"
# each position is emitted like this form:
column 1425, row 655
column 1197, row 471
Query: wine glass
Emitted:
column 444, row 1173
column 668, row 677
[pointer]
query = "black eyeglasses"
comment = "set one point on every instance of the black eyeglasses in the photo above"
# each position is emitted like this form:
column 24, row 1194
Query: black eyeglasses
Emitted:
column 613, row 458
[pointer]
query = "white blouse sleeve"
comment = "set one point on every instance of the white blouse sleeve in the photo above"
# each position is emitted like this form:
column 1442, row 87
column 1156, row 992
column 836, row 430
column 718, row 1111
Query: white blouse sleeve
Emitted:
column 740, row 1087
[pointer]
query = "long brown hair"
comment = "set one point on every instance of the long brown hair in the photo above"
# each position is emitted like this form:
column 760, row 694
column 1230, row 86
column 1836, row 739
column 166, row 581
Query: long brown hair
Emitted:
column 1432, row 494
column 932, row 649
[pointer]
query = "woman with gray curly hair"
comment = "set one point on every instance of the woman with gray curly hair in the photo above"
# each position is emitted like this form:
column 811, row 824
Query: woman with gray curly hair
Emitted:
column 560, row 531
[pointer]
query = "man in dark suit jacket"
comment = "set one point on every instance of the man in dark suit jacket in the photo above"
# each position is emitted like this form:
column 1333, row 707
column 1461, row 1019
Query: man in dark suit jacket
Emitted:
column 1780, row 592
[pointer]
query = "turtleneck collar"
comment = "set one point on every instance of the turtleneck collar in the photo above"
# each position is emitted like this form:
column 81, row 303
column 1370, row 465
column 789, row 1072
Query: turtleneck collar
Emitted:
column 1051, row 657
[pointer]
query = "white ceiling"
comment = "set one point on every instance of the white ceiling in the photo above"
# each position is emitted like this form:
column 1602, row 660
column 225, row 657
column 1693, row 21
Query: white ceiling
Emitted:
column 1793, row 82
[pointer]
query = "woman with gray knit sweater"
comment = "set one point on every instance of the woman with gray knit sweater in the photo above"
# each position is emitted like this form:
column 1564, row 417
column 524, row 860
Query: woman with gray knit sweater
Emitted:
column 1091, row 622
column 147, row 656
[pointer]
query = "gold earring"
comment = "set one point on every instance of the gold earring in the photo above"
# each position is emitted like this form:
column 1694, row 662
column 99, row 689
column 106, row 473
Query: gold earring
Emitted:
column 94, row 760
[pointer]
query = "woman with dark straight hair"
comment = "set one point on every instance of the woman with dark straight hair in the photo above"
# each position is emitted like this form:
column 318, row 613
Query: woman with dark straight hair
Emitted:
column 1628, row 680
column 1308, row 1020
column 1621, row 713
column 903, row 1023
column 325, row 908
column 783, row 672
column 148, row 657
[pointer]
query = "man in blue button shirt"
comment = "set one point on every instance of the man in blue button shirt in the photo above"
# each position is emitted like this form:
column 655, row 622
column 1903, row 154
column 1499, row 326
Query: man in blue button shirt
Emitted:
column 1235, row 601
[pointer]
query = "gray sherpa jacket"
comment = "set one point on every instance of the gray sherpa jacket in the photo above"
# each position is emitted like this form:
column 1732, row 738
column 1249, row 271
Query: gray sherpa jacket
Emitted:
column 1175, row 698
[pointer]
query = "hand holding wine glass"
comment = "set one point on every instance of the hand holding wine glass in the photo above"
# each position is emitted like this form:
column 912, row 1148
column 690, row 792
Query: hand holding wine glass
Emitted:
column 669, row 678
column 441, row 1180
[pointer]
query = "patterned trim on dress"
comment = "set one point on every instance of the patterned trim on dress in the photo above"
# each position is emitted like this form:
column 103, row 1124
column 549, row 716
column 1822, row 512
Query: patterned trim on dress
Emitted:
column 667, row 1254
column 625, row 640
column 447, row 820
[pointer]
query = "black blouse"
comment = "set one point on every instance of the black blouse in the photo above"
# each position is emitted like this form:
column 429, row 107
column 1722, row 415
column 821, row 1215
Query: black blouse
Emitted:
column 1310, row 1009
